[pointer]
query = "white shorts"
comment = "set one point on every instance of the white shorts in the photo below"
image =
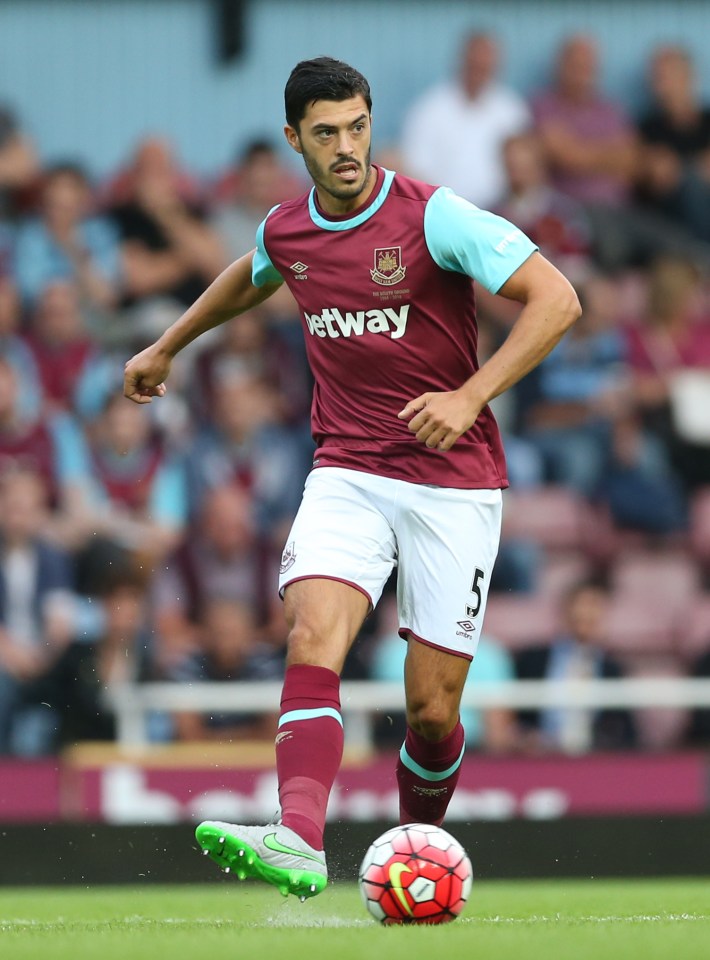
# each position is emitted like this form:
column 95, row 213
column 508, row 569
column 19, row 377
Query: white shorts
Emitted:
column 355, row 527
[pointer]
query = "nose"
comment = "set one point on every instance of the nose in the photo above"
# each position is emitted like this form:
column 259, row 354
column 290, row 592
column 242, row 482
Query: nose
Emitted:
column 345, row 147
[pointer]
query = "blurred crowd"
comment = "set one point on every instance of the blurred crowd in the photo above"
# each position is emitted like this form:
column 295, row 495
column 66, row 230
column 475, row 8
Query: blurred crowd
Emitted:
column 141, row 543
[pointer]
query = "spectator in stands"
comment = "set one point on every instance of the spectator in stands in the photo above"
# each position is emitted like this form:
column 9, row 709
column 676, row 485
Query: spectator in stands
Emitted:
column 14, row 349
column 553, row 220
column 68, row 242
column 454, row 134
column 169, row 252
column 246, row 193
column 156, row 154
column 29, row 441
column 674, row 177
column 61, row 345
column 222, row 556
column 228, row 652
column 593, row 152
column 124, row 484
column 493, row 730
column 669, row 356
column 248, row 446
column 36, row 616
column 578, row 653
column 578, row 412
column 571, row 401
column 18, row 162
column 122, row 652
column 254, row 344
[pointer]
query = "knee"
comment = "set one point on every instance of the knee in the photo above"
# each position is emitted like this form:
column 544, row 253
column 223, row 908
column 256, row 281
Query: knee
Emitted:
column 432, row 719
column 308, row 645
column 303, row 641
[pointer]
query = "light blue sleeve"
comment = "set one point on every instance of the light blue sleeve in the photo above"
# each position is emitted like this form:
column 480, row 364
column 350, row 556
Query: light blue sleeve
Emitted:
column 71, row 451
column 168, row 496
column 102, row 240
column 465, row 239
column 262, row 269
column 492, row 664
column 32, row 260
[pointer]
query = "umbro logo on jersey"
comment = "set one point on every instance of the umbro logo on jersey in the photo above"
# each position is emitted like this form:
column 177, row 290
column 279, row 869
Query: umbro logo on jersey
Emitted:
column 299, row 270
column 330, row 322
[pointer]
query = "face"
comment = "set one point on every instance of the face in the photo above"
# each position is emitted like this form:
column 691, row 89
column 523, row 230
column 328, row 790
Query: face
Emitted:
column 9, row 307
column 66, row 197
column 58, row 318
column 226, row 520
column 123, row 429
column 671, row 75
column 479, row 64
column 524, row 163
column 586, row 615
column 578, row 68
column 22, row 501
column 334, row 139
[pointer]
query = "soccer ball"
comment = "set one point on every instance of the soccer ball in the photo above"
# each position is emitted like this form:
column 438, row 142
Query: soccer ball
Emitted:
column 416, row 873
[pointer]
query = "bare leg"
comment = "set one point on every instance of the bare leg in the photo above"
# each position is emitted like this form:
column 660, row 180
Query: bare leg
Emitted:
column 430, row 759
column 324, row 617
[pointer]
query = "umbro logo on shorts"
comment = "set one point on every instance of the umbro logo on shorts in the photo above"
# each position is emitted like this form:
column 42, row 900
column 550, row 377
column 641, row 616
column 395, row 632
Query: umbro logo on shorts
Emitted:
column 466, row 625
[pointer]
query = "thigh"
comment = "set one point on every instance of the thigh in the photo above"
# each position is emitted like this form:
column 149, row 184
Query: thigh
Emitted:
column 324, row 617
column 342, row 533
column 448, row 540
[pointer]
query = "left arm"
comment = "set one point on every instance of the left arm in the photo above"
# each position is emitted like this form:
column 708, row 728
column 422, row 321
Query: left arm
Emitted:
column 550, row 308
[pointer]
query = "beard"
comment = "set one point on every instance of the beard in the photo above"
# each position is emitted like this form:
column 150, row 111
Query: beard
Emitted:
column 339, row 191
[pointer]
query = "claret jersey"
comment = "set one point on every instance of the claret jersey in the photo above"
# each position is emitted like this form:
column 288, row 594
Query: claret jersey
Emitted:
column 386, row 298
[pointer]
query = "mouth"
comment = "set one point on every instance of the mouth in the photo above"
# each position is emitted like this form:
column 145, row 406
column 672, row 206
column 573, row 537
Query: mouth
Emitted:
column 347, row 171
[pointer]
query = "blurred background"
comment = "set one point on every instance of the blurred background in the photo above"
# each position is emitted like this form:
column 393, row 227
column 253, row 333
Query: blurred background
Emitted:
column 140, row 147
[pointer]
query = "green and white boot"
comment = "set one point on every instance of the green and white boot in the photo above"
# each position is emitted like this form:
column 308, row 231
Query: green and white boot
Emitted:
column 273, row 853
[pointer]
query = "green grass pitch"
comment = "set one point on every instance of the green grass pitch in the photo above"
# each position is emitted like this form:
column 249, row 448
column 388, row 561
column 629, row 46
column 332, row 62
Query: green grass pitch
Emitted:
column 570, row 920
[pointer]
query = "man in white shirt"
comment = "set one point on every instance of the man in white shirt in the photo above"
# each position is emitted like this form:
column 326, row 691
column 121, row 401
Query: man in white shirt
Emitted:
column 454, row 133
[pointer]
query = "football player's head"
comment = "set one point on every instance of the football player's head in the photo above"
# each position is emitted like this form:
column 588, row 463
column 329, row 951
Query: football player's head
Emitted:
column 322, row 79
column 328, row 121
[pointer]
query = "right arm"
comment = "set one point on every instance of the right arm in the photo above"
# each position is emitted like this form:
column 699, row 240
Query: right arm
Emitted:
column 230, row 294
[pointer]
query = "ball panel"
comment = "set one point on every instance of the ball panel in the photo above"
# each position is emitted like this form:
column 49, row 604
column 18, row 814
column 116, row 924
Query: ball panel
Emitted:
column 417, row 873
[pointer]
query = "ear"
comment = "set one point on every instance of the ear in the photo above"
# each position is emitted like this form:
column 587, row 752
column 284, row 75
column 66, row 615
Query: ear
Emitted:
column 292, row 138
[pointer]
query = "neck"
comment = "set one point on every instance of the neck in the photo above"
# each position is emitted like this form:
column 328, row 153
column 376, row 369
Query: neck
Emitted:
column 337, row 207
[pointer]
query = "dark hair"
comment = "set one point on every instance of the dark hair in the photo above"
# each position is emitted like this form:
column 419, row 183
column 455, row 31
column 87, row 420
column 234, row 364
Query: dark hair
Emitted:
column 321, row 79
column 254, row 149
column 67, row 168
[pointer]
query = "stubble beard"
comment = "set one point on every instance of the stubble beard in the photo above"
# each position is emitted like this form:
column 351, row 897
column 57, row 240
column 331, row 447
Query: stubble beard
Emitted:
column 344, row 192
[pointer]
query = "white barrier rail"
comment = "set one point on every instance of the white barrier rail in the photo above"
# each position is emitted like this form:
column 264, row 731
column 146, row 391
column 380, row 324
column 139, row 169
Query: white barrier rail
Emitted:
column 362, row 700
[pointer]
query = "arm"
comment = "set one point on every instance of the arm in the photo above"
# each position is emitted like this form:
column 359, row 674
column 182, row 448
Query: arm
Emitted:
column 230, row 294
column 617, row 155
column 550, row 308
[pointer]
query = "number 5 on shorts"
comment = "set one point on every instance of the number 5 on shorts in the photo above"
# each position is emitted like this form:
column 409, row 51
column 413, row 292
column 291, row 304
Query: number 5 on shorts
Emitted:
column 472, row 611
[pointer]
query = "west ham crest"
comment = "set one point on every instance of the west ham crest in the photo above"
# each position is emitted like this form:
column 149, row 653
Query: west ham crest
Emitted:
column 388, row 266
column 288, row 557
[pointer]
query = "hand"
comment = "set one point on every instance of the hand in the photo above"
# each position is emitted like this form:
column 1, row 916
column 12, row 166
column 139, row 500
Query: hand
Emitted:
column 439, row 419
column 145, row 374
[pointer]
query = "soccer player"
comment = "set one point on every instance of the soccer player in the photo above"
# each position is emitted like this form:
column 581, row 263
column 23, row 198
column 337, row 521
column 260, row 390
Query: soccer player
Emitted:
column 409, row 465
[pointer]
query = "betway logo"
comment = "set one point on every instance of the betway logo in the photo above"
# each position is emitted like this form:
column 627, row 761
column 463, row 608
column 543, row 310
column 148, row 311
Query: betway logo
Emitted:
column 330, row 322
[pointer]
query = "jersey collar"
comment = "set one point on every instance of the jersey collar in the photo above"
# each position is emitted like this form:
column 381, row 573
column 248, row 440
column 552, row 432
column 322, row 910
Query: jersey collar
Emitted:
column 348, row 223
